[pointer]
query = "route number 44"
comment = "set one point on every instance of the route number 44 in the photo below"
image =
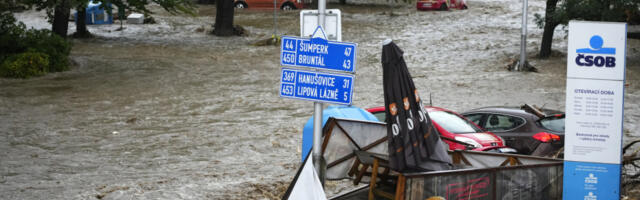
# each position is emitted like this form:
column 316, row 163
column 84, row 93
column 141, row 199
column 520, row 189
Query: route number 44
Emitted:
column 289, row 44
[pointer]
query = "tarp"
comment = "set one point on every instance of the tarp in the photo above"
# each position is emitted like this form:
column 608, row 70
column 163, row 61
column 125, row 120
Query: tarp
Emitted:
column 345, row 112
column 414, row 144
column 342, row 137
column 96, row 13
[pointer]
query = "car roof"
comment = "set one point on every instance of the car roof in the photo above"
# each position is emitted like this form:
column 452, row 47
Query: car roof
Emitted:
column 511, row 110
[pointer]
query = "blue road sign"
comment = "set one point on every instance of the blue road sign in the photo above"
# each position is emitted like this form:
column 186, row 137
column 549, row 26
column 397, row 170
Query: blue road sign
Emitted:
column 318, row 53
column 316, row 86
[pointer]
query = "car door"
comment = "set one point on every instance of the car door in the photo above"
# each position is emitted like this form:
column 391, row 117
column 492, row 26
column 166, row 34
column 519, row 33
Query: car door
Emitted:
column 511, row 128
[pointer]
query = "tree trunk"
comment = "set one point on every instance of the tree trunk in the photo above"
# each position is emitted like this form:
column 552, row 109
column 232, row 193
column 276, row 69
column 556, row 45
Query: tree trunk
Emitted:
column 549, row 26
column 81, row 23
column 61, row 18
column 224, row 18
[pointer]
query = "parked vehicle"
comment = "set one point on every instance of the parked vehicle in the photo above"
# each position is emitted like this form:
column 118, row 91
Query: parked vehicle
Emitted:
column 440, row 4
column 455, row 129
column 282, row 4
column 532, row 131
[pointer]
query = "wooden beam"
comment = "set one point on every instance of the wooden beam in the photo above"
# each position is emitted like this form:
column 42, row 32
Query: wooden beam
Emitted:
column 400, row 187
column 372, row 182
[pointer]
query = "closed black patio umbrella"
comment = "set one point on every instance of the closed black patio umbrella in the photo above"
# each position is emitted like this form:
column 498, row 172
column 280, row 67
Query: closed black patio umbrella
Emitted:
column 414, row 144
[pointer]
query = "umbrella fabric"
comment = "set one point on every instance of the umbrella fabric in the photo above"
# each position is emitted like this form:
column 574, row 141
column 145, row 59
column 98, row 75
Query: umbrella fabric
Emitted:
column 414, row 144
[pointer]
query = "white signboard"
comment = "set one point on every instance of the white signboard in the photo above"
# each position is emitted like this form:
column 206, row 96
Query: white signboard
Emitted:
column 596, row 50
column 594, row 110
column 593, row 123
column 595, row 92
column 332, row 23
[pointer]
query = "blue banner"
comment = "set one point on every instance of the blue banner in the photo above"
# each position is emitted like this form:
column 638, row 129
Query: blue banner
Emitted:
column 318, row 53
column 591, row 181
column 316, row 86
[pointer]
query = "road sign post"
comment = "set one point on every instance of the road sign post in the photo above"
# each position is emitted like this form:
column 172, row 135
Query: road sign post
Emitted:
column 317, row 123
column 320, row 54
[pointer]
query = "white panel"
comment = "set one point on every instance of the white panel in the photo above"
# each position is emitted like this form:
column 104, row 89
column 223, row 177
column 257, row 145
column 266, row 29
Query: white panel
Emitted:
column 593, row 123
column 333, row 25
column 584, row 45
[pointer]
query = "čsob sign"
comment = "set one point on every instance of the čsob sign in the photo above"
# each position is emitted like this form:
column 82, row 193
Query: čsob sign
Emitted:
column 596, row 55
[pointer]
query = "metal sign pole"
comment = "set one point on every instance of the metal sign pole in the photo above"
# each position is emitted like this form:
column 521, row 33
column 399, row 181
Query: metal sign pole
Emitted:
column 317, row 113
column 523, row 38
column 275, row 20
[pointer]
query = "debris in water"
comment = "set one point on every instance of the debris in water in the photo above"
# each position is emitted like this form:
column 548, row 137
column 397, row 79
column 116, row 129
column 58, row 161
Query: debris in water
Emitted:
column 527, row 67
column 132, row 120
column 274, row 40
column 200, row 29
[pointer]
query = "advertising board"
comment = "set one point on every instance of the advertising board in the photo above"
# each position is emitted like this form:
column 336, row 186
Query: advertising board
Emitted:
column 594, row 110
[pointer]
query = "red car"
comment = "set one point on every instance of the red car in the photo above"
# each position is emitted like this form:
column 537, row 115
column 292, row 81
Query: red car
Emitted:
column 457, row 130
column 440, row 4
column 282, row 4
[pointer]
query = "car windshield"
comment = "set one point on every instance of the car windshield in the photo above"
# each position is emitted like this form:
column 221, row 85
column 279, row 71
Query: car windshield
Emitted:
column 552, row 123
column 453, row 123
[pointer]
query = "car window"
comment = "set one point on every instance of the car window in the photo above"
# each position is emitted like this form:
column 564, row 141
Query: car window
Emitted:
column 453, row 123
column 552, row 123
column 498, row 123
column 475, row 118
column 380, row 115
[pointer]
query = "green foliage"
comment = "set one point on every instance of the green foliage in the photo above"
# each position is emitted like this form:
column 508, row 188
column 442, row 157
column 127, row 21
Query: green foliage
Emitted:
column 25, row 65
column 590, row 10
column 23, row 52
column 171, row 6
column 10, row 32
column 56, row 47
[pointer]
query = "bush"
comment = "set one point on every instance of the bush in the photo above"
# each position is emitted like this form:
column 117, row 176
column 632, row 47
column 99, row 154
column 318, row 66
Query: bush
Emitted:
column 10, row 34
column 25, row 65
column 44, row 41
column 17, row 45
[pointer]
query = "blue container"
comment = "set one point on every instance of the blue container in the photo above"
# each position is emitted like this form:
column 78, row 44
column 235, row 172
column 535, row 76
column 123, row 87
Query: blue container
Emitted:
column 97, row 15
column 345, row 112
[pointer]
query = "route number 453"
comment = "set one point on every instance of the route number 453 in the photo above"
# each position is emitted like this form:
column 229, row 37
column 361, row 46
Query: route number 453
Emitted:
column 287, row 90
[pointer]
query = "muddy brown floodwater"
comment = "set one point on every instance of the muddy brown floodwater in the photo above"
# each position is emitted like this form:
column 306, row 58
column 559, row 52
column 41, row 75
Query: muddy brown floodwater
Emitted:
column 166, row 111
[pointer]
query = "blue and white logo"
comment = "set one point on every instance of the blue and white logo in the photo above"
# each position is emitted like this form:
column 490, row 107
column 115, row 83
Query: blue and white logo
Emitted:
column 590, row 196
column 596, row 55
column 591, row 179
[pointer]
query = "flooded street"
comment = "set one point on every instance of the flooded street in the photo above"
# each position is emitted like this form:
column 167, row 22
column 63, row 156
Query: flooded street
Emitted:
column 167, row 111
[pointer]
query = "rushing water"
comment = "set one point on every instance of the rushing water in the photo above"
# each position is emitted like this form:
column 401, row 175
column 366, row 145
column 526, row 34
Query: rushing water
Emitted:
column 166, row 111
